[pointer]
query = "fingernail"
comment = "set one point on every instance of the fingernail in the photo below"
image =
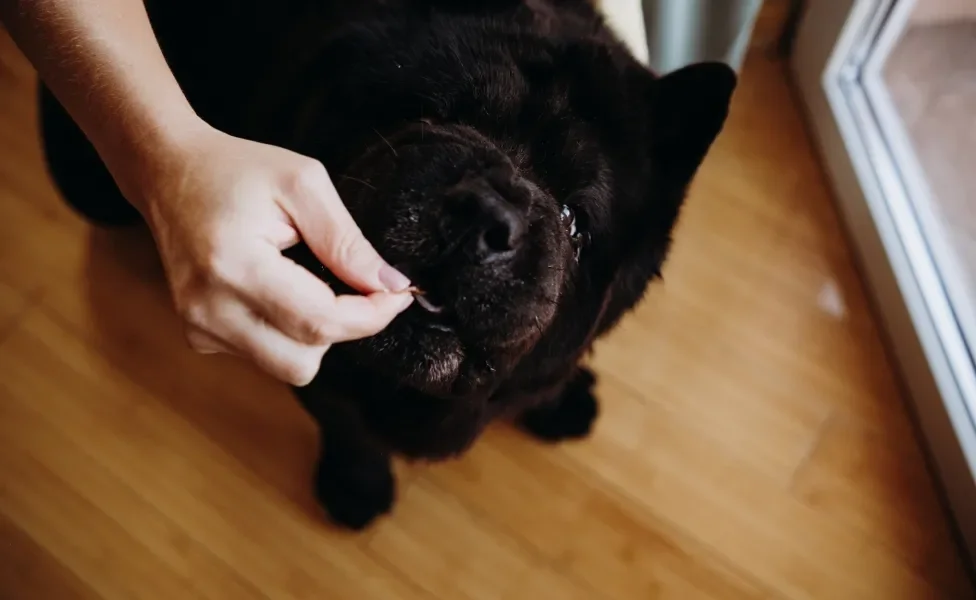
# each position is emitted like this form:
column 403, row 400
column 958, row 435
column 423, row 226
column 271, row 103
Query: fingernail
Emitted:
column 394, row 280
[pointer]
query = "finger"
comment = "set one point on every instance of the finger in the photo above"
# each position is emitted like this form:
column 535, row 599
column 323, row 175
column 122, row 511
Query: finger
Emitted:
column 330, row 231
column 204, row 343
column 271, row 350
column 282, row 357
column 365, row 316
column 304, row 308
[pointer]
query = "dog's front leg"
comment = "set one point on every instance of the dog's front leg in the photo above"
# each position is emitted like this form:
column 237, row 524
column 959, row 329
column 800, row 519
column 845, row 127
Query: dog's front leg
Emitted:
column 569, row 415
column 354, row 480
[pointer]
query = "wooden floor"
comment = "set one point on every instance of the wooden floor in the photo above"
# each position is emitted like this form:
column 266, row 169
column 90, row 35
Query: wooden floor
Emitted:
column 753, row 443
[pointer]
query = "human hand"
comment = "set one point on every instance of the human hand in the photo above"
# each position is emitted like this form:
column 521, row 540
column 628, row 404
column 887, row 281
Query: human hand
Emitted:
column 221, row 210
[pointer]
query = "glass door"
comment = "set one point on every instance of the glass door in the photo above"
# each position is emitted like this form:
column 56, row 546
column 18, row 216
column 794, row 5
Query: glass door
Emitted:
column 890, row 88
column 921, row 80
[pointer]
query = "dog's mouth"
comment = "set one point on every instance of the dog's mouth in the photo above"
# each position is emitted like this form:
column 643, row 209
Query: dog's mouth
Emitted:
column 437, row 316
column 425, row 301
column 431, row 307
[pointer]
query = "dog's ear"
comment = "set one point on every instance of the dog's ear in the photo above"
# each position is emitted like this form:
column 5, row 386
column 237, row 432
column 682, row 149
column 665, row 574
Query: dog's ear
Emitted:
column 689, row 107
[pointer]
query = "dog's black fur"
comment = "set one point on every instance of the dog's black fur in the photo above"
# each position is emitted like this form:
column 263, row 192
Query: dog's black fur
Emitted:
column 469, row 140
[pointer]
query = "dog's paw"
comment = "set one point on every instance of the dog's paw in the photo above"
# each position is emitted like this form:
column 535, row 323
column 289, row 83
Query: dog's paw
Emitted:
column 355, row 495
column 571, row 417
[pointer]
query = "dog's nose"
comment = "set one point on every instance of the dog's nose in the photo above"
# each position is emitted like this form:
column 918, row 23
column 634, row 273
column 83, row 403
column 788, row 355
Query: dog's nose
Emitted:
column 498, row 225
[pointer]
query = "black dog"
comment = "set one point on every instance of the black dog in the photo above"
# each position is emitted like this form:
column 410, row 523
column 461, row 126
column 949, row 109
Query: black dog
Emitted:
column 511, row 157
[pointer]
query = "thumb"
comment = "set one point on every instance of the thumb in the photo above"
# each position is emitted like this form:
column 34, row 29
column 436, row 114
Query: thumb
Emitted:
column 336, row 240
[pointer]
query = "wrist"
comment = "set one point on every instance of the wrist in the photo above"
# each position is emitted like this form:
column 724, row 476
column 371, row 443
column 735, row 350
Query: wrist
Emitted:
column 147, row 150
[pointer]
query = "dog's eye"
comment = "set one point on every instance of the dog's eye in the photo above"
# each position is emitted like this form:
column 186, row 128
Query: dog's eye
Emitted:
column 568, row 217
column 580, row 238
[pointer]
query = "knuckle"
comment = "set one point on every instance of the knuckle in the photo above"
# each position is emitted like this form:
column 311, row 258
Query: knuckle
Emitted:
column 307, row 178
column 318, row 333
column 219, row 269
column 195, row 313
column 347, row 248
column 198, row 342
column 366, row 326
column 302, row 370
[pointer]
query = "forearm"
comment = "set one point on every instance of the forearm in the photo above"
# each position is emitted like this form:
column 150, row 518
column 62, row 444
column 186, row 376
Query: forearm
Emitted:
column 101, row 60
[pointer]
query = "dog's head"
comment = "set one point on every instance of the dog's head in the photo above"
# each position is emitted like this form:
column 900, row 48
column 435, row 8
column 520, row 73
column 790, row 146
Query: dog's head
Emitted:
column 529, row 193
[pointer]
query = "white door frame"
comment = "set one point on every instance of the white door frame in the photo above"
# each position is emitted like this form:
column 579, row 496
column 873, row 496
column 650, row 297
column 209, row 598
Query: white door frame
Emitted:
column 836, row 69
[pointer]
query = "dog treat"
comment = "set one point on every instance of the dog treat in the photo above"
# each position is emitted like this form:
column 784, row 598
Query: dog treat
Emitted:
column 424, row 301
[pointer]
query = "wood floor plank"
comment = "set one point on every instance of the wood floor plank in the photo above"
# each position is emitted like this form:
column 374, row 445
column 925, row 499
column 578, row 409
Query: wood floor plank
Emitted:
column 608, row 543
column 36, row 499
column 435, row 542
column 13, row 303
column 544, row 582
column 716, row 495
column 37, row 250
column 501, row 480
column 35, row 445
column 270, row 540
column 737, row 399
column 625, row 555
column 28, row 570
column 880, row 486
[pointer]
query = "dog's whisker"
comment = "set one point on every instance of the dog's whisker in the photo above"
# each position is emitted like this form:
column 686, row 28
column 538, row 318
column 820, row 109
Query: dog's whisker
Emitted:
column 555, row 269
column 392, row 149
column 357, row 180
column 538, row 326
